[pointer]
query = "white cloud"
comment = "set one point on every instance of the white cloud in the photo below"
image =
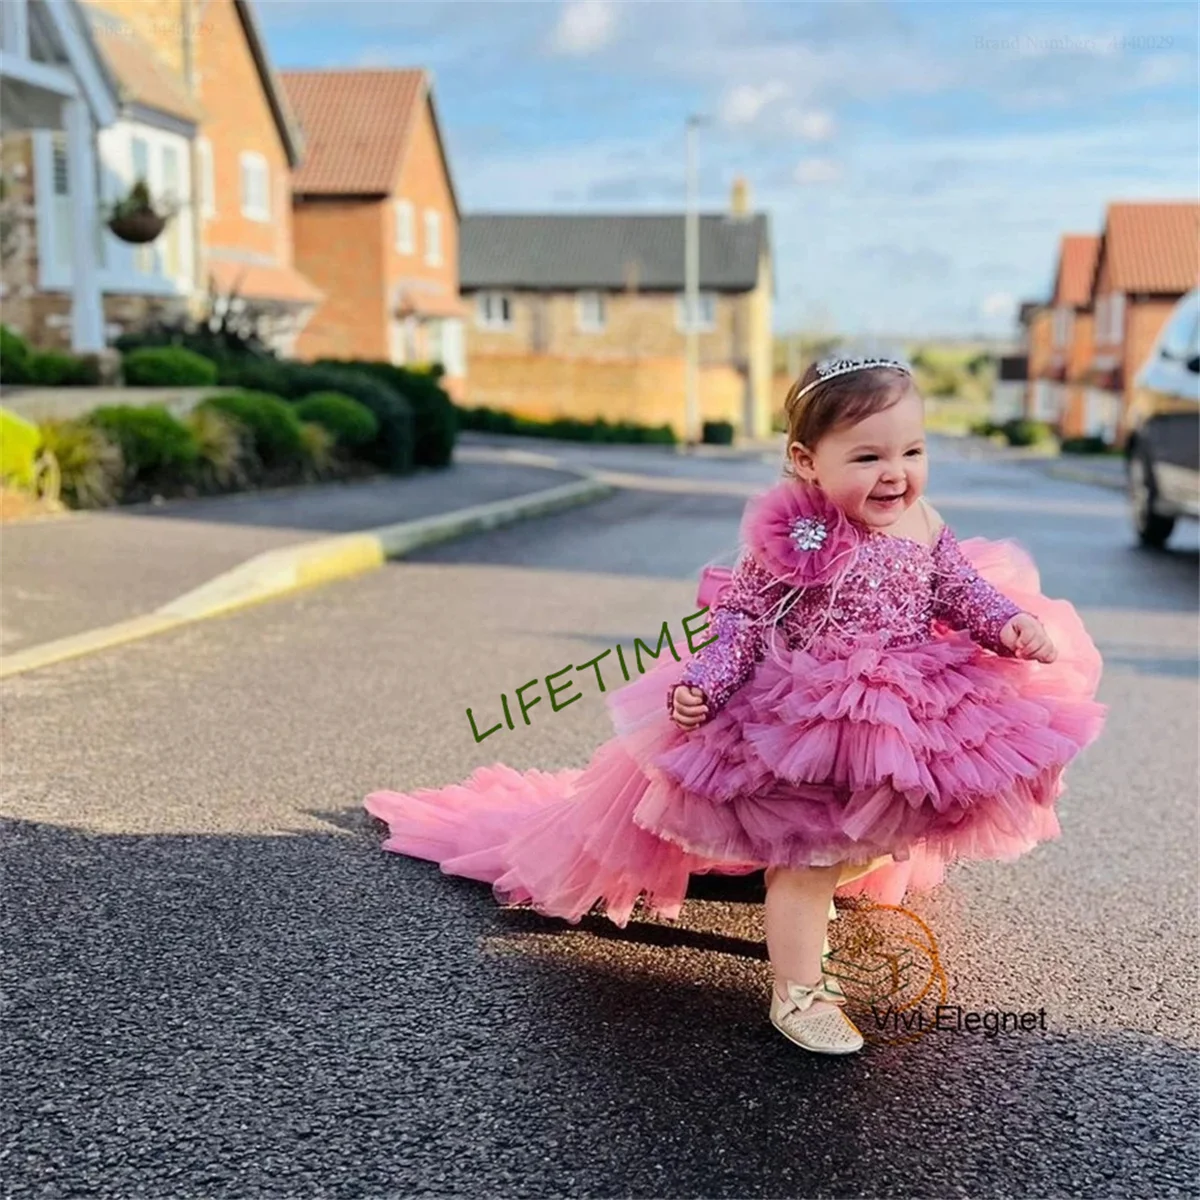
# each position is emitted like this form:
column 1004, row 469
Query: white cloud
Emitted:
column 743, row 105
column 815, row 125
column 999, row 306
column 584, row 27
column 817, row 170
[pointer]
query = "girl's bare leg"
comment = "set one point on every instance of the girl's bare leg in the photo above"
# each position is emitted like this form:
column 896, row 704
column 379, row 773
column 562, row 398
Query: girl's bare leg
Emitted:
column 797, row 916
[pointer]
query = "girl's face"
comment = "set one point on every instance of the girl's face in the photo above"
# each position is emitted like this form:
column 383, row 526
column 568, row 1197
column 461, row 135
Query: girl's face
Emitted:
column 874, row 470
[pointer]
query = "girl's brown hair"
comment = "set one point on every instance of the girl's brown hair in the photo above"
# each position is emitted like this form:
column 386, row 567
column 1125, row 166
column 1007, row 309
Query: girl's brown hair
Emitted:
column 843, row 400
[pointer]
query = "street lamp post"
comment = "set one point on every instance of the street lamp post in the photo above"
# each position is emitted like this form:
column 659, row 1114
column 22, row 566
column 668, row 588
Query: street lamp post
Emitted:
column 691, row 285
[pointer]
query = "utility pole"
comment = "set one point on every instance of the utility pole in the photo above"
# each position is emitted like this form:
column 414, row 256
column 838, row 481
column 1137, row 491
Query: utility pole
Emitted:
column 691, row 286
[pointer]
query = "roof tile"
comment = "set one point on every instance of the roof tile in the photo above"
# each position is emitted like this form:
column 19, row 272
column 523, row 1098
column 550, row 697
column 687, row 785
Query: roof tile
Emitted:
column 356, row 126
column 1153, row 247
column 573, row 250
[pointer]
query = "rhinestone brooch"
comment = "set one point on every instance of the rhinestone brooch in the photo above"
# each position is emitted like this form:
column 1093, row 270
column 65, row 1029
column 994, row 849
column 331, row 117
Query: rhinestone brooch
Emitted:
column 809, row 533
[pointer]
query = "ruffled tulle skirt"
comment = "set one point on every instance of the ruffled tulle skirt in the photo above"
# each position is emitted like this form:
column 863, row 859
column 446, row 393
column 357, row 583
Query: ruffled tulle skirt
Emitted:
column 893, row 761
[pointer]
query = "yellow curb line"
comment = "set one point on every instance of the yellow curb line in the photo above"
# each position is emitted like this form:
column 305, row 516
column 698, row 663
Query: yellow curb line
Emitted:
column 291, row 569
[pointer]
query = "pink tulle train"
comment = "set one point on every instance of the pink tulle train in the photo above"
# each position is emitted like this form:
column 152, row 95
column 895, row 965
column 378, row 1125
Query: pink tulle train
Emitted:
column 891, row 761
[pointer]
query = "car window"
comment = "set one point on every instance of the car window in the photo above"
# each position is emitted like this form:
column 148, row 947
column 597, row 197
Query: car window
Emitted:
column 1181, row 340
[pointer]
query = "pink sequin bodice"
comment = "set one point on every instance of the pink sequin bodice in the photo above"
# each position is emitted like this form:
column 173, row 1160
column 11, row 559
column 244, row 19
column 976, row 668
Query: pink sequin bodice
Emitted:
column 892, row 589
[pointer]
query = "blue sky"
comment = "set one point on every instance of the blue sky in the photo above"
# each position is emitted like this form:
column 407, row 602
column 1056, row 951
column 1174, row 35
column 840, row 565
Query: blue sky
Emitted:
column 918, row 161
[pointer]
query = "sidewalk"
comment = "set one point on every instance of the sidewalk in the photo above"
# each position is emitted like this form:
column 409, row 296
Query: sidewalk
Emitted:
column 63, row 575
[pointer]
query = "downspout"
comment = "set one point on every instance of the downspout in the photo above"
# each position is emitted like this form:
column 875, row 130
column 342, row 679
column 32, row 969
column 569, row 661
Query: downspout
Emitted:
column 199, row 257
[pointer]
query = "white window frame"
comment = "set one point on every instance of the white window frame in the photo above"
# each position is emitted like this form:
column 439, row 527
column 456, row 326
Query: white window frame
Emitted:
column 433, row 238
column 486, row 304
column 207, row 183
column 593, row 321
column 254, row 163
column 706, row 302
column 121, row 268
column 404, row 217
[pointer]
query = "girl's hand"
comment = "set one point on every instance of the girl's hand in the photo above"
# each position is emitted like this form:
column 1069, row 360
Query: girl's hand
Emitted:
column 1026, row 638
column 688, row 707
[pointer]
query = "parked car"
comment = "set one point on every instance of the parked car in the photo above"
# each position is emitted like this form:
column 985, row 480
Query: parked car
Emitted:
column 1163, row 447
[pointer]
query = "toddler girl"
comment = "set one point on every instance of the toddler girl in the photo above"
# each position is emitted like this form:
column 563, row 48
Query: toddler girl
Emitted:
column 870, row 707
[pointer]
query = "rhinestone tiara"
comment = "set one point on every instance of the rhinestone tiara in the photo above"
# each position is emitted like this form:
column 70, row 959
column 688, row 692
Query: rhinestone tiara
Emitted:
column 830, row 368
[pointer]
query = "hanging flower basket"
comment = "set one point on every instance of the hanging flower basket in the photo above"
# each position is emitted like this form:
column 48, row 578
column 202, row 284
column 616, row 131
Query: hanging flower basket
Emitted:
column 137, row 219
column 138, row 228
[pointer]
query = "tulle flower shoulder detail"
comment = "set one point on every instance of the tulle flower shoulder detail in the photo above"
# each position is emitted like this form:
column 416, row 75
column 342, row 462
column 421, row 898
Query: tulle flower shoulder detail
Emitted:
column 798, row 534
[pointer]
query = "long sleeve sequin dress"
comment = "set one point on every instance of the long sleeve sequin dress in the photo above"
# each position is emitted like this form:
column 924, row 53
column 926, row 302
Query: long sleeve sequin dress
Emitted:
column 862, row 711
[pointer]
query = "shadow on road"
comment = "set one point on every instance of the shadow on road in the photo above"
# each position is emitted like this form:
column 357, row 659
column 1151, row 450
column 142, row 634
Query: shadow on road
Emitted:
column 301, row 1014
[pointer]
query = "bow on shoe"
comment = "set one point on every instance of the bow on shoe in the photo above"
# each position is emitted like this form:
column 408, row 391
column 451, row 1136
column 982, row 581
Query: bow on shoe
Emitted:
column 803, row 996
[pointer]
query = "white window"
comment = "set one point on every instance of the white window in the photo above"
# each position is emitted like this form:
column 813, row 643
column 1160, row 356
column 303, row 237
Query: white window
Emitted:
column 126, row 153
column 403, row 213
column 589, row 312
column 144, row 261
column 706, row 312
column 1063, row 319
column 256, row 187
column 433, row 238
column 493, row 310
column 172, row 236
column 1116, row 317
column 208, row 185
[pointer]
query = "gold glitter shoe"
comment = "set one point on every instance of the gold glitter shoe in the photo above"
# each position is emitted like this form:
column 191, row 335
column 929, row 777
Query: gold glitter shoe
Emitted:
column 829, row 1031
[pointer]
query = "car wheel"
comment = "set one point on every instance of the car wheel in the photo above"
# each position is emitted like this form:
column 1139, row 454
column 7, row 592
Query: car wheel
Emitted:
column 1153, row 529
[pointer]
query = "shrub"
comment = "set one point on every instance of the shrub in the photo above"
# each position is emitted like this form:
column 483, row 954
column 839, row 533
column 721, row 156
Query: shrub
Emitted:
column 434, row 423
column 1021, row 431
column 392, row 446
column 1085, row 445
column 14, row 357
column 91, row 466
column 226, row 450
column 986, row 428
column 272, row 423
column 153, row 442
column 168, row 366
column 53, row 369
column 20, row 441
column 318, row 443
column 718, row 433
column 352, row 425
column 488, row 420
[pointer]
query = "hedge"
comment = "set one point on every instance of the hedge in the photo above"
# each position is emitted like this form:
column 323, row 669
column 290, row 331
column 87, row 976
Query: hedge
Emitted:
column 392, row 447
column 152, row 441
column 168, row 366
column 272, row 423
column 14, row 357
column 352, row 425
column 51, row 368
column 434, row 424
column 717, row 433
column 489, row 420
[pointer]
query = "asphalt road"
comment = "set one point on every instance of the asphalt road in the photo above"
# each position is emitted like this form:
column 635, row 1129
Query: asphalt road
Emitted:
column 216, row 985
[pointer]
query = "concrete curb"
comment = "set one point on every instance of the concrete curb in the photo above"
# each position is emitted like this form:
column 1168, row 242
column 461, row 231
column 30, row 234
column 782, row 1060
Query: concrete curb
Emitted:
column 293, row 568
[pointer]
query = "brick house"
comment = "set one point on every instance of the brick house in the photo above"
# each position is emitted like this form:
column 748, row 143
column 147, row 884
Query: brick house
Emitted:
column 560, row 303
column 1146, row 261
column 204, row 122
column 376, row 220
column 1057, row 392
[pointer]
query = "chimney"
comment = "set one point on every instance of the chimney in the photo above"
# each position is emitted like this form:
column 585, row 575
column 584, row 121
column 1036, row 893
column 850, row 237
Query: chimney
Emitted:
column 739, row 198
column 632, row 274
